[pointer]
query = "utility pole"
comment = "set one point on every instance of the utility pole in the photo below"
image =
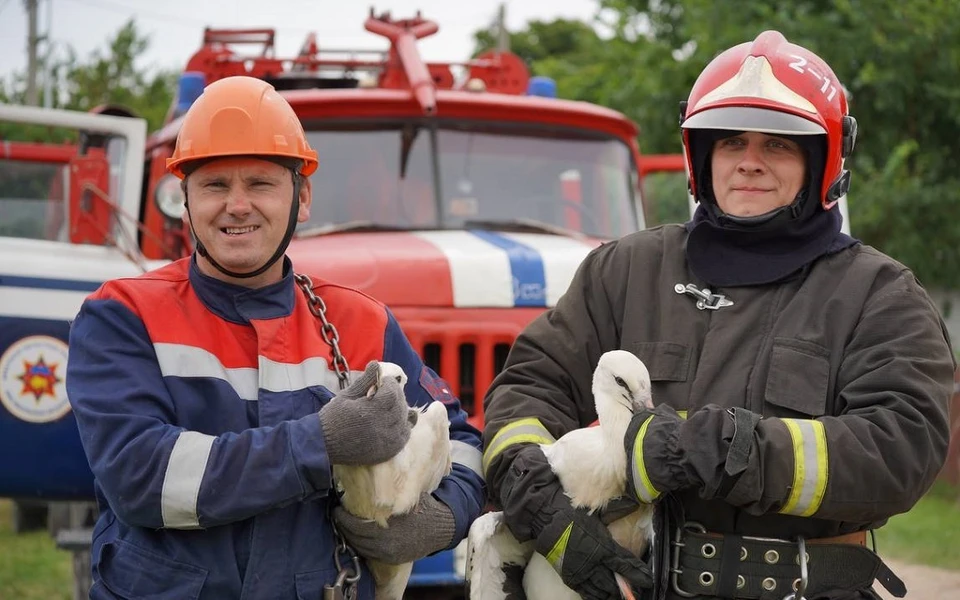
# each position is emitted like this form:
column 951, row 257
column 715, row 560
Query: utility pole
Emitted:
column 48, row 61
column 33, row 40
column 503, row 37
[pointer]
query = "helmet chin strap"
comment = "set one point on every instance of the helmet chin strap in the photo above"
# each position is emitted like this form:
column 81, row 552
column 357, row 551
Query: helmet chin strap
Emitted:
column 768, row 220
column 281, row 249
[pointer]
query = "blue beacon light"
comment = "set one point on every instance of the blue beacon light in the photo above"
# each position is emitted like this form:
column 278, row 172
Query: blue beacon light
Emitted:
column 544, row 87
column 189, row 88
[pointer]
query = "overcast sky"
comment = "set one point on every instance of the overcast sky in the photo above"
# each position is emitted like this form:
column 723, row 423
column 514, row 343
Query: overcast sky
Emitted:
column 175, row 27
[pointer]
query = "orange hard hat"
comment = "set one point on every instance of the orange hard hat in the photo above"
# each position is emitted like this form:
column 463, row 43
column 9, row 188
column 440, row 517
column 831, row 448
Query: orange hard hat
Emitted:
column 241, row 116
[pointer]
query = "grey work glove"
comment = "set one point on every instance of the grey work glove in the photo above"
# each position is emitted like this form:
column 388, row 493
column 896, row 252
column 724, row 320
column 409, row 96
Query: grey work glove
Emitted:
column 426, row 529
column 366, row 430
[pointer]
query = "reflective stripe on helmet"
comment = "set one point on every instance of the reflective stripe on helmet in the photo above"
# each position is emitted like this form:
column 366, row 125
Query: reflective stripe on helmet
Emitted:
column 763, row 120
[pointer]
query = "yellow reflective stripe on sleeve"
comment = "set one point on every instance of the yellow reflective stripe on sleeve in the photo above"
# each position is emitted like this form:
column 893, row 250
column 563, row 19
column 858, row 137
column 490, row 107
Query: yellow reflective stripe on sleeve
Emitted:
column 641, row 482
column 522, row 431
column 810, row 467
column 682, row 414
column 555, row 556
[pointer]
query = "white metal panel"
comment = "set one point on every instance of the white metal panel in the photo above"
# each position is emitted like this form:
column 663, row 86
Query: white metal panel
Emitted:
column 133, row 129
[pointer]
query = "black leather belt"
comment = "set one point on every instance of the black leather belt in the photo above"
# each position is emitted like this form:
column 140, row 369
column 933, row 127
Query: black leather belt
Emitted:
column 735, row 566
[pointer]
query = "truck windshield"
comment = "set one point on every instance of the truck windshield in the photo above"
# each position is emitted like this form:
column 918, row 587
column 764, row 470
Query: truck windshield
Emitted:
column 383, row 176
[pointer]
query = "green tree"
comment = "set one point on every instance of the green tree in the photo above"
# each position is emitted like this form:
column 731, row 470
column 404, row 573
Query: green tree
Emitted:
column 562, row 49
column 112, row 77
column 107, row 76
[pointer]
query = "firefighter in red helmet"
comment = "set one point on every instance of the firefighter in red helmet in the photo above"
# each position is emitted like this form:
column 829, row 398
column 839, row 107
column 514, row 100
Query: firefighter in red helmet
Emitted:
column 800, row 378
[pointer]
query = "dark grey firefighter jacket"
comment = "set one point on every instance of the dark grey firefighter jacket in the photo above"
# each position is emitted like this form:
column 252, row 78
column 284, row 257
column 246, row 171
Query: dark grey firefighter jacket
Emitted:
column 852, row 342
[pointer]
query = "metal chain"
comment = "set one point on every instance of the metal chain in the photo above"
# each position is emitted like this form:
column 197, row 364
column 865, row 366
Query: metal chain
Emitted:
column 327, row 330
column 347, row 575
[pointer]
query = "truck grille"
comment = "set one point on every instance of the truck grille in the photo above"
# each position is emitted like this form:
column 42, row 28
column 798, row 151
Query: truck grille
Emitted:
column 471, row 382
column 466, row 355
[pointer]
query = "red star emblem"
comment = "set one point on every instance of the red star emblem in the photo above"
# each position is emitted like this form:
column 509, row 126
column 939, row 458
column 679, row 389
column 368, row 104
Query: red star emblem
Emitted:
column 39, row 378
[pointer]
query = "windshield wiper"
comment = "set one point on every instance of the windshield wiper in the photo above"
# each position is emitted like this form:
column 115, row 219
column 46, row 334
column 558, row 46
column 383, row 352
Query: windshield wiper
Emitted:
column 356, row 226
column 523, row 224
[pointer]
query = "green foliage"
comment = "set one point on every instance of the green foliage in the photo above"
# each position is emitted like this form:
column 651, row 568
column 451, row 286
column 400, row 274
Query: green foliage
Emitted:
column 665, row 198
column 928, row 533
column 900, row 61
column 562, row 49
column 31, row 566
column 108, row 76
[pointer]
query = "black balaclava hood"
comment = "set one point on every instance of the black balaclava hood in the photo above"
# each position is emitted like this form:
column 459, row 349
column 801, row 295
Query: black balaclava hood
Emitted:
column 724, row 250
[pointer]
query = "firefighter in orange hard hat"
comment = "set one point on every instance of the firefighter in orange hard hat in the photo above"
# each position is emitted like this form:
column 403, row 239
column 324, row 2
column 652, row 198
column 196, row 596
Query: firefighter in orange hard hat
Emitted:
column 214, row 395
column 245, row 118
column 800, row 378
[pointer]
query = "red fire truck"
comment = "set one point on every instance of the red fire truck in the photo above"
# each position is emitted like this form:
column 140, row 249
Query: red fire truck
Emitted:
column 463, row 195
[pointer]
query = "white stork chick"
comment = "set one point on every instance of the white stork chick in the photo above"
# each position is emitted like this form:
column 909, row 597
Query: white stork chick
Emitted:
column 394, row 487
column 491, row 551
column 591, row 466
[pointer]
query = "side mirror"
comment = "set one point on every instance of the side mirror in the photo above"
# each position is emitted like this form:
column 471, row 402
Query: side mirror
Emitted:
column 90, row 207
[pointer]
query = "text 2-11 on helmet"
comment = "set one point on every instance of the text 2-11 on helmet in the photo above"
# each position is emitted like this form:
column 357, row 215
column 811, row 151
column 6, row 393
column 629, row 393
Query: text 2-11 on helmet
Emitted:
column 241, row 116
column 772, row 86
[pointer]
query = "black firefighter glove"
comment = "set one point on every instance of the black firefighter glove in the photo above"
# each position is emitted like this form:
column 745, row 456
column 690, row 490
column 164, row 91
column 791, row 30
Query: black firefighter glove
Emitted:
column 576, row 543
column 709, row 451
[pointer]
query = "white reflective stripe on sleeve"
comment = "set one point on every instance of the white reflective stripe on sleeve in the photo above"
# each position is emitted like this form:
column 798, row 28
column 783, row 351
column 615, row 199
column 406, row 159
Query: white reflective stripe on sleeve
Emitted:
column 464, row 454
column 178, row 360
column 810, row 467
column 181, row 482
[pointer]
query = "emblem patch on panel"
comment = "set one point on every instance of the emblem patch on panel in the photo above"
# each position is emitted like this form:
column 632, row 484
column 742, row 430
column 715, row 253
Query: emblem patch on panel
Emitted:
column 33, row 379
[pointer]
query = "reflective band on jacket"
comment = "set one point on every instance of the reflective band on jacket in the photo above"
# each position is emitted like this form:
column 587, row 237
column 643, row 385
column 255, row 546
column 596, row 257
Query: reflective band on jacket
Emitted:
column 181, row 481
column 810, row 467
column 555, row 556
column 523, row 431
column 641, row 481
column 464, row 454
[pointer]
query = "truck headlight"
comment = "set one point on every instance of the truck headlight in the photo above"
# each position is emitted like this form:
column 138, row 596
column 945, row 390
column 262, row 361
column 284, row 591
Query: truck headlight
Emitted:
column 169, row 197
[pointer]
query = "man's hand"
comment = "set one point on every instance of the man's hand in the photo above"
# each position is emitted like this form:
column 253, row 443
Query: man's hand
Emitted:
column 428, row 528
column 366, row 430
column 577, row 544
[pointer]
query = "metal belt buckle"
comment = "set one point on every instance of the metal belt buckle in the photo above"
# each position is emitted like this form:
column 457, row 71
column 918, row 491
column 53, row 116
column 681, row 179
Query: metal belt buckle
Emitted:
column 677, row 544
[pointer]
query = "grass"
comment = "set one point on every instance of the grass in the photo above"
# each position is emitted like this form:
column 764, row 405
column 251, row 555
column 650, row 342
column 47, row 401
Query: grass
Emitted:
column 926, row 535
column 32, row 568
